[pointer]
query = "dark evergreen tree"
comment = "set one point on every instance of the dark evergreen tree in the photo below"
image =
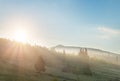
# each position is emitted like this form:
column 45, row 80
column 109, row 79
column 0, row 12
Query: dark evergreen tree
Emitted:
column 84, row 60
column 40, row 65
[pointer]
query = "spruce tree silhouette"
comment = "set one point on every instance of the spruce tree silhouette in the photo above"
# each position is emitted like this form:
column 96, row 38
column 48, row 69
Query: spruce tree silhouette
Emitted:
column 40, row 65
column 84, row 58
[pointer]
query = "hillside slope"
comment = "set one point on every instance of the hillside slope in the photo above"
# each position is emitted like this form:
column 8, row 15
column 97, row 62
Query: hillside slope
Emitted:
column 17, row 62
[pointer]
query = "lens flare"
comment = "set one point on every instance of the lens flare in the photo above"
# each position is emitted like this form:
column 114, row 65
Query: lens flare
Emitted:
column 20, row 36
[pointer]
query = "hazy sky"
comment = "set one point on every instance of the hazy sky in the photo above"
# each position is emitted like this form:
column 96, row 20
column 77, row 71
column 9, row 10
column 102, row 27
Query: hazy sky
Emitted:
column 85, row 23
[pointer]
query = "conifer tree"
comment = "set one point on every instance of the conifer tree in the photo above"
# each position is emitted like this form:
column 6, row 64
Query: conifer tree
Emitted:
column 40, row 65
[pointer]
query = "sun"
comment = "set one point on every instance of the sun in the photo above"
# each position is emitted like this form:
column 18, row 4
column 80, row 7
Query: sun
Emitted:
column 20, row 36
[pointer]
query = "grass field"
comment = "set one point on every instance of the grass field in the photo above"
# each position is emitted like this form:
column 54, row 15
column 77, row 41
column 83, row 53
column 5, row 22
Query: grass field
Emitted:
column 101, row 72
column 22, row 68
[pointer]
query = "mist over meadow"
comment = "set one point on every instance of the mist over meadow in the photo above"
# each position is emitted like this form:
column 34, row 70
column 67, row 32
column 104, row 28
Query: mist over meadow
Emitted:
column 59, row 40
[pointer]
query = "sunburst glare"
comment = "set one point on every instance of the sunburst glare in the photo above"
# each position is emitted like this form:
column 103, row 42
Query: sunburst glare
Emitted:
column 20, row 36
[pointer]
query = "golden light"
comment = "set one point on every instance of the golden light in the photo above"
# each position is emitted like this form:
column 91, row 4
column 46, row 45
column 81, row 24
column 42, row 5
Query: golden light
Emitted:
column 20, row 36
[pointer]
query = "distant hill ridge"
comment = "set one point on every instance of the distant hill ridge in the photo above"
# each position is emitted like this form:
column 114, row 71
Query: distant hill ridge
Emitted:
column 76, row 47
column 92, row 52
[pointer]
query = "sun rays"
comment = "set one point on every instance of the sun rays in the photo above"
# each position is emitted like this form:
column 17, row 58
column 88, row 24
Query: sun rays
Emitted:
column 20, row 36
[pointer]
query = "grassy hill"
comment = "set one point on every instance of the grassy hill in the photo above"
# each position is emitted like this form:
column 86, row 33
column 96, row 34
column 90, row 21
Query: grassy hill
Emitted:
column 17, row 63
